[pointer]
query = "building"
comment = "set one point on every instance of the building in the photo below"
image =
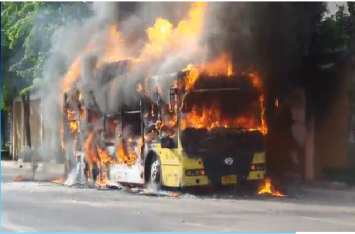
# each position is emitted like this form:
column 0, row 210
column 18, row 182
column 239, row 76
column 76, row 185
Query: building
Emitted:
column 330, row 149
column 18, row 136
column 312, row 134
column 326, row 136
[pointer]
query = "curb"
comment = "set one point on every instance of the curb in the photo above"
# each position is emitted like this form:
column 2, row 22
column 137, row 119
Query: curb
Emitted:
column 344, row 195
column 42, row 167
column 9, row 164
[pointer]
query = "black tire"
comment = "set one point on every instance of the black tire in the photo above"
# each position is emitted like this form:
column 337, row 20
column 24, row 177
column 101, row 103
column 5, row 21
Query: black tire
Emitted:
column 155, row 171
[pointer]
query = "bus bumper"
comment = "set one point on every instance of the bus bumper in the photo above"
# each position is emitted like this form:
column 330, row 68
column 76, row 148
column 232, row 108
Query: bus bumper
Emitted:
column 228, row 180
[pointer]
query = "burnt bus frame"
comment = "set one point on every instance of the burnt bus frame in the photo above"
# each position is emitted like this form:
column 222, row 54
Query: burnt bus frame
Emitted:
column 181, row 77
column 67, row 166
column 79, row 146
column 123, row 113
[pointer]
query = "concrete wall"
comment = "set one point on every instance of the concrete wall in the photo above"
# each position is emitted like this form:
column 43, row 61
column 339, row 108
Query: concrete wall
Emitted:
column 297, row 103
column 351, row 154
column 332, row 125
column 351, row 150
column 35, row 123
column 18, row 128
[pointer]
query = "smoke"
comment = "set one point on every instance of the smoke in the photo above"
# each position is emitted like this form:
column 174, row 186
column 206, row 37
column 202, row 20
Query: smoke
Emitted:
column 99, row 88
column 270, row 37
column 109, row 86
column 67, row 42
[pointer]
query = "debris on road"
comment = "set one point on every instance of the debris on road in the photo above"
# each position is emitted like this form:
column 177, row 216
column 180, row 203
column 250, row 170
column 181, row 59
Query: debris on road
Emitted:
column 20, row 178
column 58, row 181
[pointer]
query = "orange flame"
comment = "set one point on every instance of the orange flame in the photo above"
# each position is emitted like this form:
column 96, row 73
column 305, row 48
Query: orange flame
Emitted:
column 104, row 159
column 255, row 79
column 102, row 182
column 263, row 117
column 162, row 37
column 104, row 156
column 211, row 118
column 267, row 188
column 73, row 126
column 90, row 152
column 163, row 40
column 74, row 71
column 127, row 155
column 58, row 181
column 19, row 178
column 220, row 66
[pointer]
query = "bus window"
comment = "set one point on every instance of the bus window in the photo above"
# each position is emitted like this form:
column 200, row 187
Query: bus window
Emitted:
column 168, row 132
column 131, row 125
column 111, row 128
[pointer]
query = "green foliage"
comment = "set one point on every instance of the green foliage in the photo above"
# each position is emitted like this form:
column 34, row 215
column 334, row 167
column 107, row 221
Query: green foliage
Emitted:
column 27, row 29
column 331, row 32
column 336, row 33
column 3, row 102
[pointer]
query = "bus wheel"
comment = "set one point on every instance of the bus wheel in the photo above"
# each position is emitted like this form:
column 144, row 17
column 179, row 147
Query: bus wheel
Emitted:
column 155, row 170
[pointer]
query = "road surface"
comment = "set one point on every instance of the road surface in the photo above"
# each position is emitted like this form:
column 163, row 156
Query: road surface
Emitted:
column 44, row 207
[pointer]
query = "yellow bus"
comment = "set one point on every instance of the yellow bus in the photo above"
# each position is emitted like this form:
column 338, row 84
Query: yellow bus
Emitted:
column 188, row 135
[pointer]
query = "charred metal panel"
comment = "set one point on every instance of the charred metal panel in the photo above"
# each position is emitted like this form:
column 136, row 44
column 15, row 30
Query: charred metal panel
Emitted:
column 222, row 81
column 214, row 147
column 215, row 166
column 111, row 150
column 123, row 173
column 226, row 141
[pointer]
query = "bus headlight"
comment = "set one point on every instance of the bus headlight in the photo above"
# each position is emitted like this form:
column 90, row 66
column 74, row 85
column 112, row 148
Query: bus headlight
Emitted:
column 258, row 167
column 195, row 172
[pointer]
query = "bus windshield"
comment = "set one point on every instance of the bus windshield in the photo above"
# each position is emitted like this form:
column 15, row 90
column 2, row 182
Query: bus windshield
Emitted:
column 221, row 108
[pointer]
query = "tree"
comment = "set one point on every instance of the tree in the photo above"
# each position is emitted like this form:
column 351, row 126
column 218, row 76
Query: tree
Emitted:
column 331, row 33
column 27, row 29
column 30, row 28
column 16, row 19
column 5, row 56
column 334, row 33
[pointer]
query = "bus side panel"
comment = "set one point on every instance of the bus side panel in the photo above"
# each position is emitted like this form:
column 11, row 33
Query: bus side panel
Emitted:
column 171, row 175
column 123, row 173
column 170, row 160
column 194, row 164
column 259, row 174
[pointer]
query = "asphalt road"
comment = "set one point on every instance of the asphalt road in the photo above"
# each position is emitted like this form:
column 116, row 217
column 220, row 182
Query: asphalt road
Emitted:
column 44, row 207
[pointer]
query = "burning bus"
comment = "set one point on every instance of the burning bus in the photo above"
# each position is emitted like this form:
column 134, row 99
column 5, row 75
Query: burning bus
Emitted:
column 202, row 125
column 190, row 128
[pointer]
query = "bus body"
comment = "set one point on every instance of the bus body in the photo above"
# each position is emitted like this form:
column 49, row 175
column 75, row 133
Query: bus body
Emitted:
column 163, row 149
column 190, row 156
